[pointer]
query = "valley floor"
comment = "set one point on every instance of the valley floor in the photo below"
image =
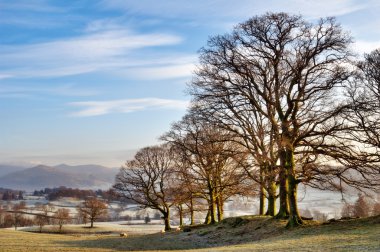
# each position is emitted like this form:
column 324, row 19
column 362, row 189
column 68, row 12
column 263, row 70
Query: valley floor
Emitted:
column 248, row 233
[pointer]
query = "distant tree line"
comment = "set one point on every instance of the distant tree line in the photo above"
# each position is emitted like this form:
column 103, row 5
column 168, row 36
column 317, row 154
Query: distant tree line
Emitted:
column 19, row 214
column 9, row 194
column 70, row 192
column 15, row 219
column 276, row 103
column 59, row 192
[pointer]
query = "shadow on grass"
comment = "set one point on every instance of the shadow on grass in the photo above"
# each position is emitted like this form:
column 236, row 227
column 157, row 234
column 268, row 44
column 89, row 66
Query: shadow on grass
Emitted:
column 143, row 242
column 231, row 231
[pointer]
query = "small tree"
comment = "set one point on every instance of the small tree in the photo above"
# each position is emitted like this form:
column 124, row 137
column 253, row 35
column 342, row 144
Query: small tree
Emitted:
column 43, row 217
column 62, row 216
column 2, row 216
column 93, row 209
column 17, row 213
column 361, row 207
column 147, row 219
column 20, row 196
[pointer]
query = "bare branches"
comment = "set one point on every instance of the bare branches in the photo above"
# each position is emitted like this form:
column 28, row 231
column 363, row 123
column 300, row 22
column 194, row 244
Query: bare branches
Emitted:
column 148, row 179
column 93, row 209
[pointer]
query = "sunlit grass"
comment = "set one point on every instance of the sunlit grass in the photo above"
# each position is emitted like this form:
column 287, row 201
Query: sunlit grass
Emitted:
column 354, row 235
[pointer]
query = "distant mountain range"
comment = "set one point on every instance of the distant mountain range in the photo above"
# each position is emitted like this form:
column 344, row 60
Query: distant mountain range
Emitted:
column 6, row 169
column 42, row 176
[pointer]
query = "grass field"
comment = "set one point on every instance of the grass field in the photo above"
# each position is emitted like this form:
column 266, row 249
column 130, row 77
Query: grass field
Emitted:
column 250, row 233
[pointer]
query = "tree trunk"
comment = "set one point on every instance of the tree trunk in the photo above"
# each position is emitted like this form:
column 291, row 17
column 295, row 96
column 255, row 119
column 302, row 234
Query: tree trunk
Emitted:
column 167, row 220
column 191, row 212
column 220, row 208
column 180, row 210
column 212, row 205
column 207, row 219
column 272, row 190
column 92, row 224
column 262, row 194
column 284, row 203
column 294, row 216
column 212, row 210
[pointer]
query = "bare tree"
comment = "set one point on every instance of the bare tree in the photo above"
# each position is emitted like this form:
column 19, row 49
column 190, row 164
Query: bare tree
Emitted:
column 147, row 180
column 43, row 217
column 62, row 217
column 363, row 116
column 287, row 70
column 92, row 209
column 17, row 211
column 213, row 161
column 187, row 191
column 361, row 208
column 2, row 215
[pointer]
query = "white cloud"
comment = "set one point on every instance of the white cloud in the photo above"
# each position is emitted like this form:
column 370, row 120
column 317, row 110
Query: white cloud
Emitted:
column 323, row 8
column 219, row 9
column 97, row 51
column 96, row 108
column 5, row 76
column 57, row 90
column 362, row 46
column 161, row 72
column 27, row 5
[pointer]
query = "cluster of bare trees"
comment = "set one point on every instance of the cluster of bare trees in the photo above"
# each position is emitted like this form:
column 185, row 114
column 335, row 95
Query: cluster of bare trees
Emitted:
column 198, row 174
column 11, row 215
column 277, row 102
column 19, row 215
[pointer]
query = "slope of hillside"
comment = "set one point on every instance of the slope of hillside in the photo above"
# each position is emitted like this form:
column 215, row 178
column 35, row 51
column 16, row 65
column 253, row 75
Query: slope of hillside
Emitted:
column 6, row 169
column 234, row 234
column 89, row 176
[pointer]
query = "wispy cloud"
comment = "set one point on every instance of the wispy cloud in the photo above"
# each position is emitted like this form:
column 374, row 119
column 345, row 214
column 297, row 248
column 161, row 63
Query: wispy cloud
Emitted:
column 170, row 71
column 199, row 9
column 27, row 5
column 5, row 76
column 52, row 90
column 97, row 51
column 97, row 108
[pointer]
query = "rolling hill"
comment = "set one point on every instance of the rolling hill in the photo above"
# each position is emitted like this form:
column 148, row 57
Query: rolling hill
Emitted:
column 42, row 176
column 6, row 169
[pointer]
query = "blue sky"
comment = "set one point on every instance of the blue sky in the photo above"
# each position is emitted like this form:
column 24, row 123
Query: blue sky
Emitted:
column 91, row 81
